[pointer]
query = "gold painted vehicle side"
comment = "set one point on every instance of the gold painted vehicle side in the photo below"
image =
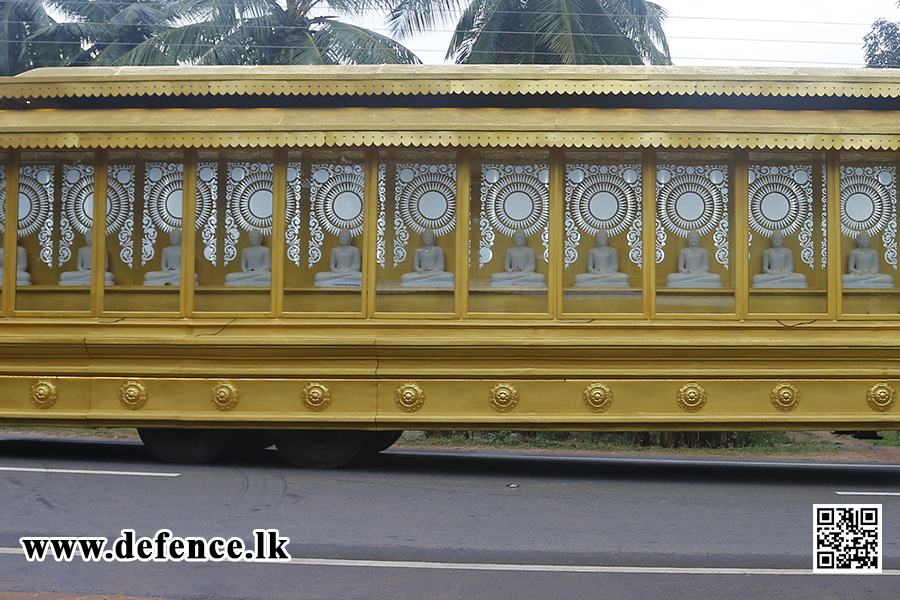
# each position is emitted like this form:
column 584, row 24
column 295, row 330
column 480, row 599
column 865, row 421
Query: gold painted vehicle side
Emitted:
column 298, row 356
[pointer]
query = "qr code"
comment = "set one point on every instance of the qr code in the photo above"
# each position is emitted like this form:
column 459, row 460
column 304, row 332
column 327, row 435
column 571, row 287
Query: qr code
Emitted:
column 847, row 538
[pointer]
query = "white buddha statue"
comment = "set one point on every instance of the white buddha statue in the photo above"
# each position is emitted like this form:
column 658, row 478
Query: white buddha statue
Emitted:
column 170, row 261
column 519, row 265
column 862, row 267
column 256, row 264
column 82, row 276
column 693, row 267
column 428, row 263
column 346, row 264
column 603, row 266
column 22, row 275
column 778, row 267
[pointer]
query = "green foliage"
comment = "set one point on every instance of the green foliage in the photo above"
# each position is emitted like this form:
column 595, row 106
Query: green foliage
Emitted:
column 617, row 32
column 20, row 20
column 881, row 46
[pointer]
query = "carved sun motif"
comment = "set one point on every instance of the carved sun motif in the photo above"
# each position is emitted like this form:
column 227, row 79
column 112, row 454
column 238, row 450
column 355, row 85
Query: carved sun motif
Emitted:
column 426, row 197
column 337, row 192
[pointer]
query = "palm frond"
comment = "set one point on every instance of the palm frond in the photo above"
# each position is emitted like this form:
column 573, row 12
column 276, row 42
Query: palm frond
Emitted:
column 409, row 17
column 348, row 44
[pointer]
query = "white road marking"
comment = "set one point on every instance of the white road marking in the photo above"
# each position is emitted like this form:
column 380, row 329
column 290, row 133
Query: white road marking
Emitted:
column 453, row 566
column 868, row 493
column 88, row 472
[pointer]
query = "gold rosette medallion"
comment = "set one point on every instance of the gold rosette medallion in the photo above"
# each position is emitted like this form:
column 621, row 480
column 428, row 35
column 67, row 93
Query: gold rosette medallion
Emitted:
column 43, row 393
column 409, row 397
column 504, row 397
column 597, row 397
column 133, row 394
column 881, row 396
column 316, row 396
column 691, row 396
column 224, row 395
column 785, row 396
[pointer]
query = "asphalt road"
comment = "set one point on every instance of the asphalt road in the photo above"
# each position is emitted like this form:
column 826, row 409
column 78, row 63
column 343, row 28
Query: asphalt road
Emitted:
column 415, row 524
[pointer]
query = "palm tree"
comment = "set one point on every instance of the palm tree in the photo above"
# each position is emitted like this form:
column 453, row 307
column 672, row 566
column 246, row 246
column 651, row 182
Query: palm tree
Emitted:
column 100, row 32
column 241, row 32
column 547, row 31
column 20, row 20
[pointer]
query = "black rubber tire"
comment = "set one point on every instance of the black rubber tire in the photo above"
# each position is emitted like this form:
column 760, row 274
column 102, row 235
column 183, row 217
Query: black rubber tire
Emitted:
column 187, row 446
column 320, row 448
column 379, row 441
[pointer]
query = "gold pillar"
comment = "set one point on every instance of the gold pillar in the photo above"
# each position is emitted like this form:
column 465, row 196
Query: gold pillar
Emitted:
column 279, row 208
column 463, row 189
column 11, row 240
column 188, row 232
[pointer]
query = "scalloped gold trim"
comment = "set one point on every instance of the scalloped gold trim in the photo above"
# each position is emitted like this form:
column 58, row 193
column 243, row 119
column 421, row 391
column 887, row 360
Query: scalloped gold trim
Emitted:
column 44, row 393
column 691, row 396
column 504, row 397
column 409, row 397
column 316, row 396
column 597, row 397
column 224, row 395
column 785, row 396
column 881, row 397
column 133, row 394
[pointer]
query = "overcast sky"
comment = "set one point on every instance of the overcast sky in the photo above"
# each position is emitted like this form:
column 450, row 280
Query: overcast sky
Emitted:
column 814, row 33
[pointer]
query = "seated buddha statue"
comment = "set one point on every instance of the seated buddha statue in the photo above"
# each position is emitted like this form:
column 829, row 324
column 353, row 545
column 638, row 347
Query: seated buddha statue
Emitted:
column 23, row 277
column 428, row 265
column 170, row 261
column 82, row 276
column 778, row 267
column 603, row 266
column 519, row 266
column 693, row 267
column 256, row 264
column 345, row 264
column 862, row 267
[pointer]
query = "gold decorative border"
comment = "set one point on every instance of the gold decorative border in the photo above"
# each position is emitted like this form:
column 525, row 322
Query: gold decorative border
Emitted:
column 44, row 393
column 409, row 397
column 133, row 394
column 504, row 397
column 881, row 397
column 316, row 396
column 597, row 397
column 691, row 396
column 785, row 396
column 224, row 395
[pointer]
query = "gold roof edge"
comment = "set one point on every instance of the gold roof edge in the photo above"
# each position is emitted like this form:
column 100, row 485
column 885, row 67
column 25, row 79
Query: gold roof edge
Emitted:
column 449, row 79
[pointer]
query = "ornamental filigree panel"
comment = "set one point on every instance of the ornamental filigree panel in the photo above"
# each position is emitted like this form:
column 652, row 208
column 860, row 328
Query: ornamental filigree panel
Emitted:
column 869, row 203
column 78, row 207
column 603, row 197
column 692, row 198
column 163, row 205
column 425, row 198
column 513, row 197
column 336, row 195
column 293, row 218
column 781, row 198
column 381, row 221
column 36, row 189
column 2, row 198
